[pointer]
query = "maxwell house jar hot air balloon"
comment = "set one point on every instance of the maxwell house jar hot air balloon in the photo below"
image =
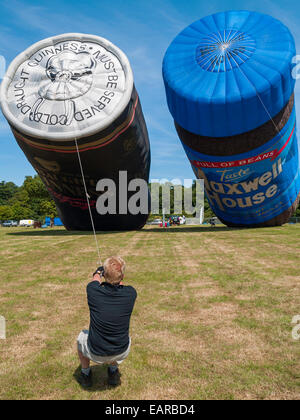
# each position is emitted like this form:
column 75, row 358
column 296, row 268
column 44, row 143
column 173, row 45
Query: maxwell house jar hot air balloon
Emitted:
column 76, row 86
column 229, row 89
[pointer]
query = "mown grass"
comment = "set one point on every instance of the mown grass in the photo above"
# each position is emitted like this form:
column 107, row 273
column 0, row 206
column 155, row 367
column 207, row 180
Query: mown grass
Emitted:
column 212, row 319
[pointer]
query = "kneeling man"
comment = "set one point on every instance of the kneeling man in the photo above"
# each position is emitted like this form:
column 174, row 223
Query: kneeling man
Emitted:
column 111, row 304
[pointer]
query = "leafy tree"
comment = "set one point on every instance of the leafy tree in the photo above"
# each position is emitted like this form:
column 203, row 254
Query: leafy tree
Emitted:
column 7, row 191
column 19, row 211
column 5, row 213
column 35, row 188
column 207, row 210
column 30, row 201
column 48, row 208
column 21, row 196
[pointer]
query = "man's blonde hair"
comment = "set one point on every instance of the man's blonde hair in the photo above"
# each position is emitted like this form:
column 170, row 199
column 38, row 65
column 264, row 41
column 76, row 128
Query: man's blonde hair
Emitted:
column 114, row 269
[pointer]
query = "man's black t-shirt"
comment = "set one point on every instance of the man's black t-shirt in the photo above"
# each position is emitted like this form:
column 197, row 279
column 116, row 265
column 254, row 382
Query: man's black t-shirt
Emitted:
column 110, row 311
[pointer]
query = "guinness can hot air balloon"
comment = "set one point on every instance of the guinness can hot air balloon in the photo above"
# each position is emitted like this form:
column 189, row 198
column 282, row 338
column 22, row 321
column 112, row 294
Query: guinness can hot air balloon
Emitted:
column 229, row 87
column 71, row 98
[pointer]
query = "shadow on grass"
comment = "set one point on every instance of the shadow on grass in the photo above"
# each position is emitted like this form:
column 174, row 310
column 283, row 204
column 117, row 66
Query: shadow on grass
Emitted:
column 56, row 232
column 192, row 229
column 99, row 378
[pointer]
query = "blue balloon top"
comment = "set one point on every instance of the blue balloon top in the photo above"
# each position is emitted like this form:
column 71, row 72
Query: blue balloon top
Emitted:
column 229, row 73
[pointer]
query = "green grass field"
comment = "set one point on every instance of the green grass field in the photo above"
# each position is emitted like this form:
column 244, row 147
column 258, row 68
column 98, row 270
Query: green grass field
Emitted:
column 212, row 319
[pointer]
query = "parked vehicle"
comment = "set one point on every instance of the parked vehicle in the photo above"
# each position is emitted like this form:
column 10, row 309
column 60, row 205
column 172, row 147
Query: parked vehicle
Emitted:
column 182, row 220
column 10, row 223
column 174, row 220
column 26, row 223
column 155, row 222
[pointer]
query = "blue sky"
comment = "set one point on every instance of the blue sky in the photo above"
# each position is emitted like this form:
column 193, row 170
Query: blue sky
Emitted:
column 143, row 30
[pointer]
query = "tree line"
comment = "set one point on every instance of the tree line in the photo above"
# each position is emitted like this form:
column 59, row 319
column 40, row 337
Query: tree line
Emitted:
column 32, row 201
column 29, row 201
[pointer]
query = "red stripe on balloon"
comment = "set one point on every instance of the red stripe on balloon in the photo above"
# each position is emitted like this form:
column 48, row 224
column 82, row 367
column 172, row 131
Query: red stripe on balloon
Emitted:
column 273, row 154
column 87, row 148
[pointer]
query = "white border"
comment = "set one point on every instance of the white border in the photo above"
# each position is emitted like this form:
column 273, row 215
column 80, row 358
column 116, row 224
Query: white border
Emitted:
column 21, row 58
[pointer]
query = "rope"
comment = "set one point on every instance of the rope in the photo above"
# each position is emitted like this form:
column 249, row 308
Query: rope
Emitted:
column 257, row 94
column 88, row 203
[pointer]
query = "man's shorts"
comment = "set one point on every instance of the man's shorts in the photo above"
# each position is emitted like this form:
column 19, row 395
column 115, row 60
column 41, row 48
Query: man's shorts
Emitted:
column 84, row 349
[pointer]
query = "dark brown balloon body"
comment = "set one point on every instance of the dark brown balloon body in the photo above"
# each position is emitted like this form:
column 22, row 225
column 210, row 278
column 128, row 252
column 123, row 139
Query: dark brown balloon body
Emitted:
column 123, row 146
column 73, row 108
